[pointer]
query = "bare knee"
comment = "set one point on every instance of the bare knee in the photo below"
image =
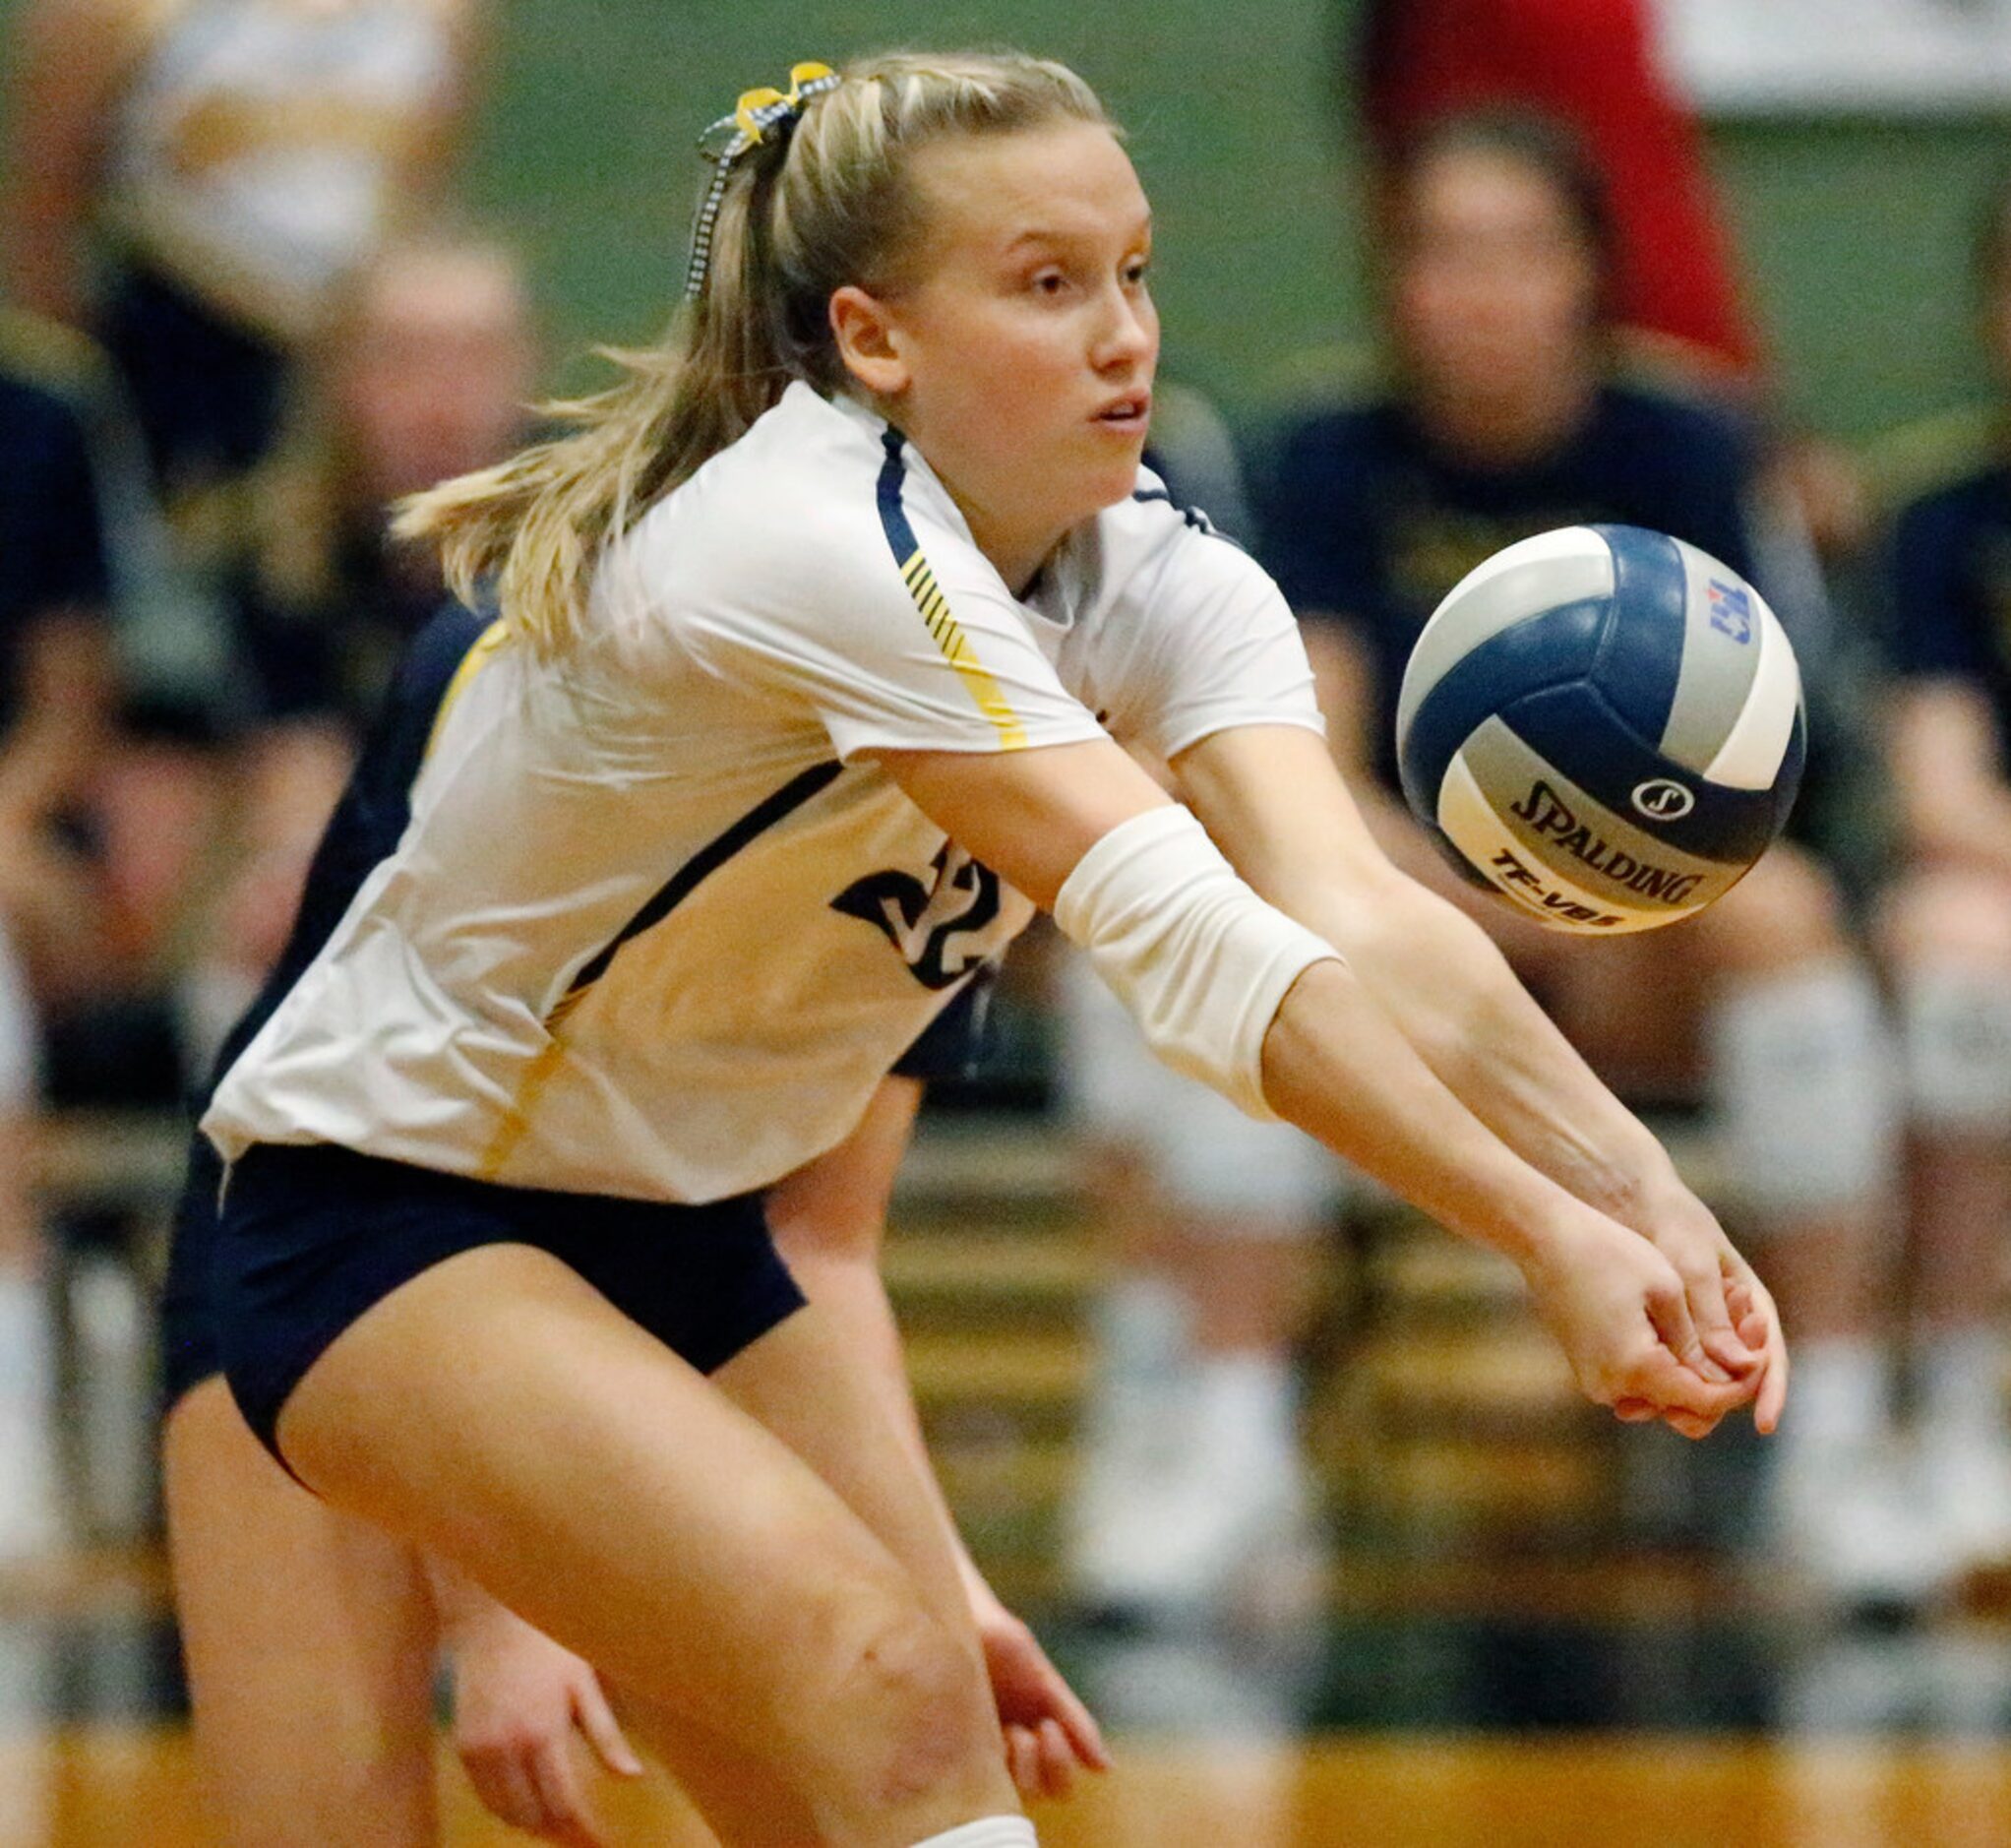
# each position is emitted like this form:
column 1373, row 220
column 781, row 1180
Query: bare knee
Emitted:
column 924, row 1719
column 1948, row 917
column 1783, row 915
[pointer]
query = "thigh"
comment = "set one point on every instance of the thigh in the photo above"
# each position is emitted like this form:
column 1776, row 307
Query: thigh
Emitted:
column 496, row 1409
column 802, row 1383
column 309, row 1639
column 1948, row 917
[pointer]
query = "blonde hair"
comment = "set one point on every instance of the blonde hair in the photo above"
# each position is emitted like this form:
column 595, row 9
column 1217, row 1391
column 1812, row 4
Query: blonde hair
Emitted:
column 821, row 202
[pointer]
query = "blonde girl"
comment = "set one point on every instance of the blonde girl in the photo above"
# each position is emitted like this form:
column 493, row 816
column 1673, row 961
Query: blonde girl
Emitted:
column 819, row 636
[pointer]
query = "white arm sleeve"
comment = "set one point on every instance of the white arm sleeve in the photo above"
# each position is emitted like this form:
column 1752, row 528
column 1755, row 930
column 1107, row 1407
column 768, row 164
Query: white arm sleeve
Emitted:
column 1202, row 961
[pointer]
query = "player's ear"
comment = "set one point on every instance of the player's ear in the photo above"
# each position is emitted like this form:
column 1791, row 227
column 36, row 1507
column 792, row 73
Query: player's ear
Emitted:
column 869, row 342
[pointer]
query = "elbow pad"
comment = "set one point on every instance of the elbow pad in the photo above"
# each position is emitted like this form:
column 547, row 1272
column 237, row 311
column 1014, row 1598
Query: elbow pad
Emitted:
column 1200, row 960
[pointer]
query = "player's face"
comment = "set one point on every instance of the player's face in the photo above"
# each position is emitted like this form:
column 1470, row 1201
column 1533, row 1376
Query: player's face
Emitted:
column 1027, row 330
column 1494, row 286
column 433, row 377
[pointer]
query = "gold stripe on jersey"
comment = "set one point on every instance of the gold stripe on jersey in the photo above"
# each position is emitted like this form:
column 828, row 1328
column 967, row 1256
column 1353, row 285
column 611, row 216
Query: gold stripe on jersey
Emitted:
column 479, row 649
column 517, row 1118
column 948, row 636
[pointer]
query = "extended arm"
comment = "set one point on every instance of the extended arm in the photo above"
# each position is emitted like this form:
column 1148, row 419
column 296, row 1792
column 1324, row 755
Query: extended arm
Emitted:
column 1271, row 797
column 1335, row 1062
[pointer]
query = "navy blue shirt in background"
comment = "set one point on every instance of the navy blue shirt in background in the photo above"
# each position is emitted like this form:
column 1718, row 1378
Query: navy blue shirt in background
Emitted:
column 1364, row 521
column 1947, row 592
column 52, row 556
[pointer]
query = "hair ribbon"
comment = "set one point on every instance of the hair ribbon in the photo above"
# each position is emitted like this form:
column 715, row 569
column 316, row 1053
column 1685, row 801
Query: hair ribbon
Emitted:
column 754, row 116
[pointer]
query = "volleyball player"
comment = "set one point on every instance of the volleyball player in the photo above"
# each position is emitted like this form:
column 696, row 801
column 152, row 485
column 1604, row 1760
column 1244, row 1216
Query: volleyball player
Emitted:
column 311, row 1638
column 793, row 719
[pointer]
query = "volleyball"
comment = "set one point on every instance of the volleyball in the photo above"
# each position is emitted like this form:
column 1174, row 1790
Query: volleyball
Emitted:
column 1604, row 726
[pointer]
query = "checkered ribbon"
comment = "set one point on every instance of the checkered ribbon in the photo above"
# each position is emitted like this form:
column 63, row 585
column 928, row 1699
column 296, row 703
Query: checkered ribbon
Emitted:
column 754, row 116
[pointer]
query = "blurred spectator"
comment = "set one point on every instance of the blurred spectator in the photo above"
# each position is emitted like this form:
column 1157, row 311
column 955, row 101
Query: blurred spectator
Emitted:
column 1947, row 935
column 193, row 177
column 1190, row 1497
column 55, row 710
column 1504, row 418
column 1591, row 63
column 423, row 372
column 1596, row 66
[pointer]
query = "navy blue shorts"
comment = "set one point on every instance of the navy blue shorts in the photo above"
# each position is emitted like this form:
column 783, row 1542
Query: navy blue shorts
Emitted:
column 311, row 1237
column 189, row 1351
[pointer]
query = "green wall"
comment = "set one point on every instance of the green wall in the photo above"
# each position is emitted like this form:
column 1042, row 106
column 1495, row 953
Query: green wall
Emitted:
column 1854, row 232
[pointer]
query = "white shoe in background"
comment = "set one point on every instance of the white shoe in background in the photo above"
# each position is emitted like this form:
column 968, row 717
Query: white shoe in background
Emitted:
column 1209, row 1519
column 1852, row 1523
column 30, row 1492
column 1967, row 1472
column 32, row 1525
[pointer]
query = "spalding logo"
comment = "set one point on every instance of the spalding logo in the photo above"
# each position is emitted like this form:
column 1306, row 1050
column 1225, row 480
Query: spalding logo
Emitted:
column 1553, row 820
column 1662, row 800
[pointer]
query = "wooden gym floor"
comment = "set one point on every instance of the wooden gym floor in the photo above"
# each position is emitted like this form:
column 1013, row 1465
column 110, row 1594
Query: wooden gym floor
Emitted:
column 130, row 1788
column 1625, row 1705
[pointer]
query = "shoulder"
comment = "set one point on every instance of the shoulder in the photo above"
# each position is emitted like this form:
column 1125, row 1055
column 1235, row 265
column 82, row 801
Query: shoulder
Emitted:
column 1155, row 526
column 1167, row 567
column 1963, row 503
column 1942, row 467
column 1340, row 436
column 818, row 521
column 1699, row 429
column 800, row 494
column 1327, row 464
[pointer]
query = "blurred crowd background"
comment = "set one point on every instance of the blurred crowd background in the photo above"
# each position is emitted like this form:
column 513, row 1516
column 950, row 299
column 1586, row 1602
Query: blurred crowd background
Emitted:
column 1436, row 274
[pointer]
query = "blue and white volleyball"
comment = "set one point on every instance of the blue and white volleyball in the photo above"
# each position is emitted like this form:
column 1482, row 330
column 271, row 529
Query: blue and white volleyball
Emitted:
column 1605, row 726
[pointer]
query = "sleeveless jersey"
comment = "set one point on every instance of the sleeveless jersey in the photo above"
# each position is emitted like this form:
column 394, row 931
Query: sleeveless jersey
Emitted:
column 256, row 154
column 660, row 921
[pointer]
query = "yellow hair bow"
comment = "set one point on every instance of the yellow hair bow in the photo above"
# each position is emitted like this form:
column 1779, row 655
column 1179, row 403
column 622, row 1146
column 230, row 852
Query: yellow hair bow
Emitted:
column 758, row 111
column 756, row 108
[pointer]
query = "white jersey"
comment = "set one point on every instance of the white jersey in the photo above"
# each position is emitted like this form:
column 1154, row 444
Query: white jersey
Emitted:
column 256, row 154
column 660, row 921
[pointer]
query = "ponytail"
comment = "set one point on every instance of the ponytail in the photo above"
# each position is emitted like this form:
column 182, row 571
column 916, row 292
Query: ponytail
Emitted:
column 810, row 195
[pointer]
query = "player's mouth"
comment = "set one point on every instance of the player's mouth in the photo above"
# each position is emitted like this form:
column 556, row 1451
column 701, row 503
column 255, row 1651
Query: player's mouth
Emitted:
column 1132, row 412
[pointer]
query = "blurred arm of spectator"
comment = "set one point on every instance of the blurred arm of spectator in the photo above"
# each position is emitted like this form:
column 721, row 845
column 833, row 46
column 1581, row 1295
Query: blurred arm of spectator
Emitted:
column 445, row 133
column 57, row 678
column 71, row 60
column 1954, row 802
column 1945, row 743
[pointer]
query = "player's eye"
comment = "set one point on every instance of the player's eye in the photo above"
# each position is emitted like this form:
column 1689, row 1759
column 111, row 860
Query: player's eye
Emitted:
column 1135, row 271
column 1049, row 281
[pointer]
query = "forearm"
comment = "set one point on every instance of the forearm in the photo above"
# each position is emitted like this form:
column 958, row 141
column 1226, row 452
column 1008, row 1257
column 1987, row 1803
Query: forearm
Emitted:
column 1336, row 865
column 1453, row 996
column 1338, row 1066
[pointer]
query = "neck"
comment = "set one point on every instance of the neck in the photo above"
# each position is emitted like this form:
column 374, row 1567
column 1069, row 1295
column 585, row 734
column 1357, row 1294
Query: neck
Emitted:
column 1016, row 549
column 1500, row 431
